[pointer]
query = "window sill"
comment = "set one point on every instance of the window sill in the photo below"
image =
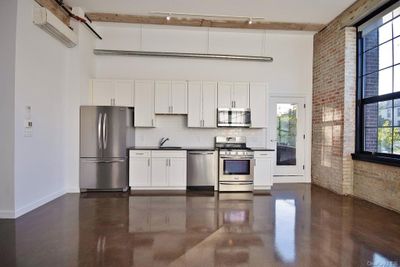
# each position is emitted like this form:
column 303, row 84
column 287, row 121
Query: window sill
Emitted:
column 380, row 159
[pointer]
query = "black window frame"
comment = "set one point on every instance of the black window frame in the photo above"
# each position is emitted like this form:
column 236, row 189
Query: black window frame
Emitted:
column 360, row 153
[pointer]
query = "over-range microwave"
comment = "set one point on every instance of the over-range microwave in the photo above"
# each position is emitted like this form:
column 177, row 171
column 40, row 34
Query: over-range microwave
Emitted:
column 234, row 117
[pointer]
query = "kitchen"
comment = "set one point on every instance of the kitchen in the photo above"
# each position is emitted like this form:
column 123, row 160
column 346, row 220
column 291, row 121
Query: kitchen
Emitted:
column 226, row 130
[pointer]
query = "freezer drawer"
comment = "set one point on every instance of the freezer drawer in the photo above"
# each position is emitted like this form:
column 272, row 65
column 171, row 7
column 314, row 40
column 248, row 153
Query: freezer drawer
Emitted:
column 236, row 186
column 103, row 174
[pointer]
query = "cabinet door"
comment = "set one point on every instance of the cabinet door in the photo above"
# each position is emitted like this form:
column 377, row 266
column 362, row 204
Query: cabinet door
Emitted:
column 194, row 104
column 224, row 95
column 124, row 93
column 144, row 104
column 159, row 172
column 258, row 105
column 179, row 97
column 102, row 92
column 162, row 97
column 209, row 104
column 240, row 95
column 139, row 172
column 263, row 172
column 177, row 172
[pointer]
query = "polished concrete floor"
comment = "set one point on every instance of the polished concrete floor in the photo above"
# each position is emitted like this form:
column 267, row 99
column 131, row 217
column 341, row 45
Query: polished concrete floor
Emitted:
column 297, row 225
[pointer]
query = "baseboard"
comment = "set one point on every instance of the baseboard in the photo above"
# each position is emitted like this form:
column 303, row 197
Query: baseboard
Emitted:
column 7, row 214
column 27, row 208
column 290, row 179
column 72, row 190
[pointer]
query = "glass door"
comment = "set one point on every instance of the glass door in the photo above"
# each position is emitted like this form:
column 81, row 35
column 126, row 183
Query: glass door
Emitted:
column 287, row 129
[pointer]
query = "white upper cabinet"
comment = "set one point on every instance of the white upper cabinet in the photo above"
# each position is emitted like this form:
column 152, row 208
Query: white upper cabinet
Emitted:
column 202, row 103
column 112, row 93
column 170, row 97
column 144, row 104
column 225, row 90
column 240, row 95
column 102, row 92
column 162, row 97
column 233, row 95
column 209, row 101
column 179, row 97
column 258, row 105
column 124, row 93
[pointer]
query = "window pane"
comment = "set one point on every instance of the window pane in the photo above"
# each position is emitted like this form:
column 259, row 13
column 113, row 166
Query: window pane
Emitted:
column 396, row 27
column 396, row 49
column 370, row 40
column 385, row 55
column 385, row 32
column 385, row 113
column 385, row 140
column 385, row 81
column 371, row 61
column 396, row 112
column 370, row 85
column 396, row 140
column 396, row 85
column 371, row 139
column 371, row 115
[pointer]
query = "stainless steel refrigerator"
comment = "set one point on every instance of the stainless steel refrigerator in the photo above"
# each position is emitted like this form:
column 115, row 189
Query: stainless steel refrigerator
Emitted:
column 105, row 133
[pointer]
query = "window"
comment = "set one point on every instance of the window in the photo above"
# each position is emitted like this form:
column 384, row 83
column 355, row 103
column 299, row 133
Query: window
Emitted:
column 378, row 96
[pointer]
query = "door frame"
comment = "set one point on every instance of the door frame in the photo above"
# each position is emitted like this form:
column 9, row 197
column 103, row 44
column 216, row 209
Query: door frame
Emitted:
column 306, row 177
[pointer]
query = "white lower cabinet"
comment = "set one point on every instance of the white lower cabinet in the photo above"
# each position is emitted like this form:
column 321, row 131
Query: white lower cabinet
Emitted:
column 140, row 168
column 263, row 165
column 157, row 170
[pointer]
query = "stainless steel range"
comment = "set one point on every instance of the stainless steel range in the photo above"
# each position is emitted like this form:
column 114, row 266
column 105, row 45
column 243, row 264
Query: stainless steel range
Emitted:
column 236, row 164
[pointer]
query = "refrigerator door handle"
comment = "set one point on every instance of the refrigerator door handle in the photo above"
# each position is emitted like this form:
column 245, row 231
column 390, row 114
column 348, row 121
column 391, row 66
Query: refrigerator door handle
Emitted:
column 106, row 161
column 105, row 131
column 99, row 131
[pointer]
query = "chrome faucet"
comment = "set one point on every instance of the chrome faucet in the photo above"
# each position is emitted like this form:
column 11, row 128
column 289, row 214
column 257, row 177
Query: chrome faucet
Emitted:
column 163, row 140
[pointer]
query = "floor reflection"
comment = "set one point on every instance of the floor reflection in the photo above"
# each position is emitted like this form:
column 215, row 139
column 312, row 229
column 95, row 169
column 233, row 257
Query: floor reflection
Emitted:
column 298, row 225
column 285, row 221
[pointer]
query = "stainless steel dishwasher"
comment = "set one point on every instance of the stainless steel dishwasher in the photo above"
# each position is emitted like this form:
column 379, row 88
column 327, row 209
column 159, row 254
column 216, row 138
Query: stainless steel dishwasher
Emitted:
column 202, row 169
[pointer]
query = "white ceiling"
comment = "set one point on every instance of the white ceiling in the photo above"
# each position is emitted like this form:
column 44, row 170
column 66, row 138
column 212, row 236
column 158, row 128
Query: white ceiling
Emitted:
column 311, row 11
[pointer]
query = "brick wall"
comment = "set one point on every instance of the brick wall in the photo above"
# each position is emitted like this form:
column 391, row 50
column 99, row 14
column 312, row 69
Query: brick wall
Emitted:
column 334, row 88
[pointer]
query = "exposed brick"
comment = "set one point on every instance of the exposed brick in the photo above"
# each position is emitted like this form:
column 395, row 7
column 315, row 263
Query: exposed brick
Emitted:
column 333, row 134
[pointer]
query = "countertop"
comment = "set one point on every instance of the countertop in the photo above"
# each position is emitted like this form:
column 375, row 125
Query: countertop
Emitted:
column 261, row 149
column 192, row 148
column 182, row 148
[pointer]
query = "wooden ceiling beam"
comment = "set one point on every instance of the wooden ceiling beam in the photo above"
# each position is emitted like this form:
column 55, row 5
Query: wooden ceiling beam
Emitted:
column 195, row 22
column 56, row 9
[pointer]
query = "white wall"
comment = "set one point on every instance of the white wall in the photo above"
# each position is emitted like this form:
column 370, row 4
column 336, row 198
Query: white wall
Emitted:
column 8, row 14
column 80, row 70
column 291, row 70
column 40, row 82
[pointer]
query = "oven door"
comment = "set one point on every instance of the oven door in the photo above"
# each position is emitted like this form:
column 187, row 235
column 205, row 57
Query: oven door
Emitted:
column 234, row 117
column 236, row 169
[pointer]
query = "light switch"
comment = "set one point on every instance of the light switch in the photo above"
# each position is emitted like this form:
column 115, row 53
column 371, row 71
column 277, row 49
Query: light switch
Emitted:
column 28, row 124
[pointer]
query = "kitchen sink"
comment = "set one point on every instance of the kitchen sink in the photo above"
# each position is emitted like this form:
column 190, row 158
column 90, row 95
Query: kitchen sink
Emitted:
column 170, row 147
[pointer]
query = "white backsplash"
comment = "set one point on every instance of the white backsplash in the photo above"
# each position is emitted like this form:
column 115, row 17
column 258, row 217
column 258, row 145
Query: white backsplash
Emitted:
column 174, row 127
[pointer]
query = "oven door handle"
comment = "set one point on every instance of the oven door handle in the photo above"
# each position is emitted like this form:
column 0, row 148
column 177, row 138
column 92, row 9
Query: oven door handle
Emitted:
column 236, row 183
column 237, row 158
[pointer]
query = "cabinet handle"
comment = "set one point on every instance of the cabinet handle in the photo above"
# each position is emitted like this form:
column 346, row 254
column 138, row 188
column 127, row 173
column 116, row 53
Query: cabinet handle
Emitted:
column 148, row 162
column 111, row 100
column 234, row 104
column 166, row 162
column 152, row 122
column 172, row 109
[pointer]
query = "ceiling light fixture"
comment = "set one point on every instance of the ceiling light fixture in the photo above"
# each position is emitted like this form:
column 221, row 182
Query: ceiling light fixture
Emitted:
column 209, row 16
column 250, row 21
column 168, row 17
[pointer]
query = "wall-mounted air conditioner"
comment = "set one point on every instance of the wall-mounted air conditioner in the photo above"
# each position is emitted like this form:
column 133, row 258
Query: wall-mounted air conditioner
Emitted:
column 46, row 20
